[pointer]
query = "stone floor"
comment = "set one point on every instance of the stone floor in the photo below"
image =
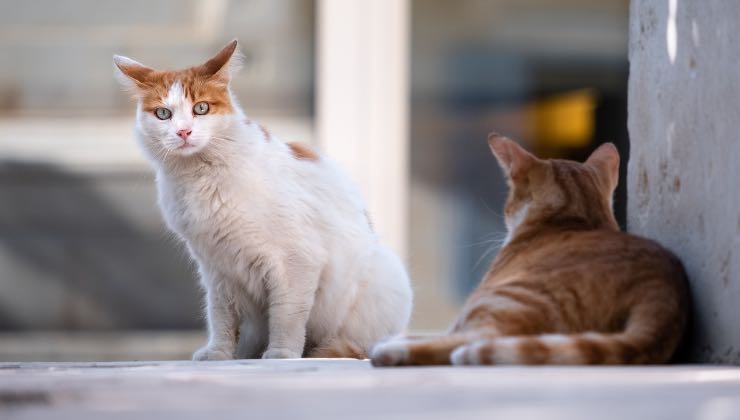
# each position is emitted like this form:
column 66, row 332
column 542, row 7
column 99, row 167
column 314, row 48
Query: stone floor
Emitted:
column 350, row 389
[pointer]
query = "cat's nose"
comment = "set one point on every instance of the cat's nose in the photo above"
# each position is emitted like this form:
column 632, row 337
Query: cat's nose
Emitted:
column 184, row 133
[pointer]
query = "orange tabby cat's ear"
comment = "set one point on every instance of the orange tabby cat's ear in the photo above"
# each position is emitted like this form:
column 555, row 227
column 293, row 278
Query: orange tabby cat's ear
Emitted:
column 131, row 74
column 223, row 64
column 512, row 157
column 606, row 160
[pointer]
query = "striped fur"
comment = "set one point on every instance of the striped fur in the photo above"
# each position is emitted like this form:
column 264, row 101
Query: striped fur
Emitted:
column 568, row 287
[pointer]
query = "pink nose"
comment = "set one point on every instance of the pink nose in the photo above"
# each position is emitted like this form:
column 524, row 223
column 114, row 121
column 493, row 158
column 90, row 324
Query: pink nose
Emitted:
column 184, row 133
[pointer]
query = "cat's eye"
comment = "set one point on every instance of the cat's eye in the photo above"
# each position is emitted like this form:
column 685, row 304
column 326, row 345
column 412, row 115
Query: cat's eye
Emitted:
column 163, row 113
column 201, row 108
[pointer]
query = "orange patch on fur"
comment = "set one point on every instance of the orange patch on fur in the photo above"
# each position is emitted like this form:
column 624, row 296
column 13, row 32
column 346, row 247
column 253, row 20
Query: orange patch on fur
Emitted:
column 197, row 88
column 339, row 348
column 533, row 352
column 208, row 82
column 302, row 152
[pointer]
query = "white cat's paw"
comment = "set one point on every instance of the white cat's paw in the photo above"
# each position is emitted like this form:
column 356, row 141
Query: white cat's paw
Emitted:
column 393, row 352
column 210, row 353
column 280, row 354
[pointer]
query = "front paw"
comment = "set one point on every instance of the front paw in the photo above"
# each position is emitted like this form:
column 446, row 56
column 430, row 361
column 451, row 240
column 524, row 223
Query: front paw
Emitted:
column 212, row 353
column 280, row 354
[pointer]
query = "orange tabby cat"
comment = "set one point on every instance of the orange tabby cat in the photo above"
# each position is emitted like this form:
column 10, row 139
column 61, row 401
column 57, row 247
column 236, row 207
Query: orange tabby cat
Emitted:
column 567, row 287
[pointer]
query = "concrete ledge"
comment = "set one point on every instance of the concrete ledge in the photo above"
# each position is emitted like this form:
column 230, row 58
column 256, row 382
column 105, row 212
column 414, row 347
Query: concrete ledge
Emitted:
column 343, row 389
column 99, row 346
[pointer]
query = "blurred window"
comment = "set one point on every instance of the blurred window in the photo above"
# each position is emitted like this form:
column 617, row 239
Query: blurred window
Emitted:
column 550, row 74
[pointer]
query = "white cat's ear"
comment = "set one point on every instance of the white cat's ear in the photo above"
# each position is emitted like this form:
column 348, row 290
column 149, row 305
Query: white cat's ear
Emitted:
column 224, row 64
column 606, row 160
column 130, row 74
column 512, row 157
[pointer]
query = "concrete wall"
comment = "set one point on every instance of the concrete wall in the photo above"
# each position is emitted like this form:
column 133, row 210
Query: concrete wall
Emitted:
column 684, row 169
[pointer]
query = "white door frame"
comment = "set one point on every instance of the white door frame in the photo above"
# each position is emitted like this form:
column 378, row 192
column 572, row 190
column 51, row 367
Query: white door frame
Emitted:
column 363, row 103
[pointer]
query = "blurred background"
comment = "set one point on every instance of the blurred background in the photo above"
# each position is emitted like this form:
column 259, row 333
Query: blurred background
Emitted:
column 87, row 269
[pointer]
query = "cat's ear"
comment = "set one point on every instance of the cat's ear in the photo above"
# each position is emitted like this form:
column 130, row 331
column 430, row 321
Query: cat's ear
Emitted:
column 224, row 64
column 131, row 74
column 606, row 160
column 512, row 157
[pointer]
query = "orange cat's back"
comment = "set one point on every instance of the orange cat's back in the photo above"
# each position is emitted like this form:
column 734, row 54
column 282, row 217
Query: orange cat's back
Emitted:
column 598, row 281
column 567, row 287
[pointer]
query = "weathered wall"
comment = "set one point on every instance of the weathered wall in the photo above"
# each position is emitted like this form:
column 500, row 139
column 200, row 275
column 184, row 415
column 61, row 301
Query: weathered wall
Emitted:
column 684, row 169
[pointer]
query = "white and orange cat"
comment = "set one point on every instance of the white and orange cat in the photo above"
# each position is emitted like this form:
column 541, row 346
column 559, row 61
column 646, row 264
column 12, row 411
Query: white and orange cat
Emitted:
column 567, row 287
column 285, row 251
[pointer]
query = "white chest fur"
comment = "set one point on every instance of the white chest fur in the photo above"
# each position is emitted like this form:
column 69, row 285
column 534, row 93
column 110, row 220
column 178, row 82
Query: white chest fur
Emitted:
column 286, row 243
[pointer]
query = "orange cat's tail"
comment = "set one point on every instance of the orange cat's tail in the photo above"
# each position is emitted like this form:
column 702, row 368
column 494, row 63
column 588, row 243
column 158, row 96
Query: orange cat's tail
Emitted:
column 649, row 337
column 339, row 348
column 553, row 349
column 549, row 349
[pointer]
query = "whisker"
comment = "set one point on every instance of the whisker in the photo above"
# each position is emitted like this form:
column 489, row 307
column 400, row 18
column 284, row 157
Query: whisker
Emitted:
column 492, row 211
column 483, row 256
column 487, row 239
column 496, row 243
column 223, row 138
column 484, row 242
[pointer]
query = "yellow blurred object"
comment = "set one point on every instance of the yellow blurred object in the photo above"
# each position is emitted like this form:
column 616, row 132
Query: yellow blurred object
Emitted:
column 565, row 120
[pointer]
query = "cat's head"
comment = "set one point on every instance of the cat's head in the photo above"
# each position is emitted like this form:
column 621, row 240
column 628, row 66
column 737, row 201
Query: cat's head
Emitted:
column 557, row 192
column 179, row 112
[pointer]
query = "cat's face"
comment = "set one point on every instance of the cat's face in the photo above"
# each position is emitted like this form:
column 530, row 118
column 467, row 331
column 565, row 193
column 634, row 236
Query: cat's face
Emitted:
column 180, row 112
column 557, row 191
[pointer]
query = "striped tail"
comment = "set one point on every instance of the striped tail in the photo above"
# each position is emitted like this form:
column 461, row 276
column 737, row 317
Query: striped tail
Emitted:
column 647, row 339
column 553, row 349
column 550, row 349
